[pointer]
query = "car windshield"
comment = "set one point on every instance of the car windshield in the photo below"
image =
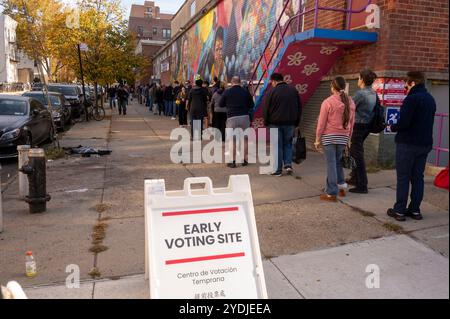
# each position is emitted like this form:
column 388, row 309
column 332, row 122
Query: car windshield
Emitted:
column 13, row 107
column 56, row 102
column 65, row 90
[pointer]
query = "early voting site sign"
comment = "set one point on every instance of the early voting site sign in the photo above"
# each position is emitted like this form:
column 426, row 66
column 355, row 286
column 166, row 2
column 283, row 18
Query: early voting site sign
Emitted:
column 202, row 243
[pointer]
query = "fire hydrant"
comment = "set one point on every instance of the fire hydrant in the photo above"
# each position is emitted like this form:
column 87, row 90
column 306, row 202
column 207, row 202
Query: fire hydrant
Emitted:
column 36, row 172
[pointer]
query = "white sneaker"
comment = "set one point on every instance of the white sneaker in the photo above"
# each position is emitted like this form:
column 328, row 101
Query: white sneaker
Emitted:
column 173, row 118
column 343, row 186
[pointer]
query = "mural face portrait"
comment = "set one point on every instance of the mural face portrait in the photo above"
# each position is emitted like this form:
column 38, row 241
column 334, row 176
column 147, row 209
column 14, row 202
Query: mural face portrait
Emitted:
column 218, row 53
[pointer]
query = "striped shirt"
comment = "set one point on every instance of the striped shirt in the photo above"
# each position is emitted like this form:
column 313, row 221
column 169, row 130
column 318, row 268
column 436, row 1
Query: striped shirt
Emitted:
column 329, row 139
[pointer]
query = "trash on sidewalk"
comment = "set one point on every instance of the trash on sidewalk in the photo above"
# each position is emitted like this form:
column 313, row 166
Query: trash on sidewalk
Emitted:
column 86, row 151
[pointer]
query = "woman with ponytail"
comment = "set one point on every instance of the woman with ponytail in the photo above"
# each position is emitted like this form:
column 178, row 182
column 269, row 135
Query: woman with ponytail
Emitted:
column 334, row 131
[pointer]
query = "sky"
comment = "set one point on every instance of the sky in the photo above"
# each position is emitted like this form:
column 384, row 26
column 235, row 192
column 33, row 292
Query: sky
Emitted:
column 167, row 6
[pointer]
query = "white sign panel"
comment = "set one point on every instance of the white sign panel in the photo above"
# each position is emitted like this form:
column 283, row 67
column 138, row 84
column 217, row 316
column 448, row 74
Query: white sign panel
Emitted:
column 203, row 244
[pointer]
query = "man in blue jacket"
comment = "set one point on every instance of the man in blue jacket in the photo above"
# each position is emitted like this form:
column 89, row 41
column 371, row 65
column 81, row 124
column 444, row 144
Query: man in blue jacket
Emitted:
column 414, row 141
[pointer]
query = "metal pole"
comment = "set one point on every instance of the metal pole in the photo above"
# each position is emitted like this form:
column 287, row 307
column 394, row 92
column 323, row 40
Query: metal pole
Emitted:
column 22, row 151
column 441, row 124
column 82, row 83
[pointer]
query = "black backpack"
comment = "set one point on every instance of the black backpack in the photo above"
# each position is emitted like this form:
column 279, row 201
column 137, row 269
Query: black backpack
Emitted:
column 378, row 123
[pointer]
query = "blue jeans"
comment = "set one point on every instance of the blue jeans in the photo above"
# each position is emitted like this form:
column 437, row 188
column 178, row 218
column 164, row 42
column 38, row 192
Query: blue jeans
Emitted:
column 285, row 137
column 149, row 103
column 174, row 109
column 410, row 165
column 112, row 102
column 168, row 107
column 335, row 172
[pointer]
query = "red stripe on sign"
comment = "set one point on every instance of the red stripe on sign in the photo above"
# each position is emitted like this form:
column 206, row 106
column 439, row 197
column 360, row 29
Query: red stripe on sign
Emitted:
column 191, row 260
column 201, row 211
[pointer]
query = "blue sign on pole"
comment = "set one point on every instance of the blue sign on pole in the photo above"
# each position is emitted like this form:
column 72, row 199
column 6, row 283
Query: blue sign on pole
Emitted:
column 392, row 117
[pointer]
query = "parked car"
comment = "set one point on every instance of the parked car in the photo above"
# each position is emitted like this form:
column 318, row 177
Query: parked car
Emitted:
column 73, row 94
column 61, row 108
column 23, row 121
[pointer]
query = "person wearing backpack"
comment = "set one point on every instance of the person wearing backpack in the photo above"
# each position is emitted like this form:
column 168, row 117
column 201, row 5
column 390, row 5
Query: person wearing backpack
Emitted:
column 365, row 100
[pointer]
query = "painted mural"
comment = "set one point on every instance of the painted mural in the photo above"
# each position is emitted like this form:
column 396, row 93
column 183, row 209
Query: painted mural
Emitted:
column 227, row 41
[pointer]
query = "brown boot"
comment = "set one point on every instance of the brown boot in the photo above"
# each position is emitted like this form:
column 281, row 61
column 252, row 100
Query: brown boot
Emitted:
column 329, row 198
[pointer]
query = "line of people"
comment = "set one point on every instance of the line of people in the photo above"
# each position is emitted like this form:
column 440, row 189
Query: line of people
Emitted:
column 343, row 125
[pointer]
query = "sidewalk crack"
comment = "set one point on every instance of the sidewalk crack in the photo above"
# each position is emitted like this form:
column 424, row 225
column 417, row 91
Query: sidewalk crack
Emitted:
column 295, row 288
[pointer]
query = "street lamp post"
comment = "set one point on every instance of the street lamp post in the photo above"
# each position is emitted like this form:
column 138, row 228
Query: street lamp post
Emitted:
column 82, row 80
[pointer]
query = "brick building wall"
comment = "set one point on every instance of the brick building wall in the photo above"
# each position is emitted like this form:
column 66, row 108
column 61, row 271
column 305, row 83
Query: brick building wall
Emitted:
column 183, row 16
column 413, row 35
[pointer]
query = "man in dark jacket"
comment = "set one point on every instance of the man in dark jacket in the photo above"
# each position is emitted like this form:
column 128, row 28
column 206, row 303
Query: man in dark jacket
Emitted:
column 122, row 97
column 239, row 103
column 414, row 141
column 168, row 100
column 282, row 110
column 198, row 107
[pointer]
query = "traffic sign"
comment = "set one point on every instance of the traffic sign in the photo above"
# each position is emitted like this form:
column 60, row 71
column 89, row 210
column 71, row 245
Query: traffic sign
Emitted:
column 392, row 117
column 202, row 243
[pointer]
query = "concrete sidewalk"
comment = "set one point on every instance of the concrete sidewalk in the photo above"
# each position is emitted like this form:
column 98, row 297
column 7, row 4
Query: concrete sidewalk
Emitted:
column 311, row 249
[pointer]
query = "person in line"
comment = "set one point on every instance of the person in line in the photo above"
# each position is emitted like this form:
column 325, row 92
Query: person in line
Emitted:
column 168, row 100
column 139, row 94
column 334, row 131
column 182, row 112
column 414, row 141
column 176, row 91
column 112, row 96
column 239, row 104
column 151, row 94
column 131, row 93
column 159, row 98
column 122, row 96
column 282, row 110
column 365, row 100
column 198, row 108
column 219, row 114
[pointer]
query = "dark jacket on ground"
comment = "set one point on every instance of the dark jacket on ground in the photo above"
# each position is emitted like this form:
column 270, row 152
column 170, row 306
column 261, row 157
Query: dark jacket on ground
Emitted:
column 237, row 101
column 282, row 106
column 415, row 125
column 198, row 102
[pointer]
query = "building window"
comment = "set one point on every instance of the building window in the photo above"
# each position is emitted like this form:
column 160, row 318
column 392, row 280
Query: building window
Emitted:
column 155, row 31
column 193, row 8
column 140, row 30
column 166, row 33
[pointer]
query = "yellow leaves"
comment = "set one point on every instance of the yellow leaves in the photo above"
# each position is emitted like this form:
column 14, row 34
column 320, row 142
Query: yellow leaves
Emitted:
column 47, row 30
